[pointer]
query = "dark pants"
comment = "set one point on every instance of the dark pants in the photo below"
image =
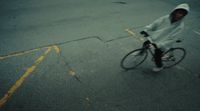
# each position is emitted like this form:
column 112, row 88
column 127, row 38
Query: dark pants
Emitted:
column 157, row 55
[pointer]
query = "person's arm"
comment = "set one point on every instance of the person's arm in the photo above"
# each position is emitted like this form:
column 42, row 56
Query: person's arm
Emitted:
column 172, row 37
column 153, row 26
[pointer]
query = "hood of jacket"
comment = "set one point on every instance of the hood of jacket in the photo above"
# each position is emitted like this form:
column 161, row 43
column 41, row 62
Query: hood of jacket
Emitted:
column 183, row 6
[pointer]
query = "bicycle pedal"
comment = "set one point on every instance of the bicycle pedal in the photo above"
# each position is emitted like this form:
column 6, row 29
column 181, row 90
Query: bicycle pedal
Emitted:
column 169, row 58
column 172, row 59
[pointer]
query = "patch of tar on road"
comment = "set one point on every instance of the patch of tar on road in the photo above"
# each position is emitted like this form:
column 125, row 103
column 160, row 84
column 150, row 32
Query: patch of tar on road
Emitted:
column 120, row 2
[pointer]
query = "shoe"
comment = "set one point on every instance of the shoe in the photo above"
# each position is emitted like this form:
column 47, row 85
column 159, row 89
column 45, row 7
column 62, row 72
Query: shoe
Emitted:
column 158, row 69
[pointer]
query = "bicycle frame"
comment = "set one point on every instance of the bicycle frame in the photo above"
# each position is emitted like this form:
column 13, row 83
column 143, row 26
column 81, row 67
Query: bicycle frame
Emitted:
column 148, row 48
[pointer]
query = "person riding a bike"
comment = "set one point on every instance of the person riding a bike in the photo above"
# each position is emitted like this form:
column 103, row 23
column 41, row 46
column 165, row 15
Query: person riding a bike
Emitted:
column 163, row 32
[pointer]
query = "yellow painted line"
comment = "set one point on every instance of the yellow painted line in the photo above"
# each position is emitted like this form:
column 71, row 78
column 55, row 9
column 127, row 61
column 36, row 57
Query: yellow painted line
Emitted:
column 134, row 34
column 18, row 54
column 130, row 32
column 20, row 81
column 196, row 32
column 27, row 52
column 57, row 49
column 72, row 72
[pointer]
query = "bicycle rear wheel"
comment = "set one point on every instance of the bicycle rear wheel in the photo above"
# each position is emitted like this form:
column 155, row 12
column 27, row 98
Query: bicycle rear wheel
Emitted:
column 176, row 55
column 133, row 59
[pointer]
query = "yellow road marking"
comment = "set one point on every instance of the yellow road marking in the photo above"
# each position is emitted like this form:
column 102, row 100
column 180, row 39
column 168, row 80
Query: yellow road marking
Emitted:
column 39, row 59
column 57, row 49
column 18, row 54
column 134, row 34
column 196, row 32
column 20, row 81
column 72, row 72
column 130, row 32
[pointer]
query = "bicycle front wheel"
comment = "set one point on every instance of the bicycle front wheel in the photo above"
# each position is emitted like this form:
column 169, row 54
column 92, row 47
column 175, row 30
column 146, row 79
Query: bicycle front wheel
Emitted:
column 133, row 59
column 176, row 55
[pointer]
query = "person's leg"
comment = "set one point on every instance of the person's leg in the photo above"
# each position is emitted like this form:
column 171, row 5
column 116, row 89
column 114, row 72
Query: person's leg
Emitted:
column 158, row 60
column 157, row 57
column 145, row 44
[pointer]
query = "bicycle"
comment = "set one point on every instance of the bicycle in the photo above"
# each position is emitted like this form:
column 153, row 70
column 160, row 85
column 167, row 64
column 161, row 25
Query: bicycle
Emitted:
column 136, row 57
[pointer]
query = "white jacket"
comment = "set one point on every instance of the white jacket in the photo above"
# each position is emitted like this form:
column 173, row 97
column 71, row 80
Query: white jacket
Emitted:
column 164, row 33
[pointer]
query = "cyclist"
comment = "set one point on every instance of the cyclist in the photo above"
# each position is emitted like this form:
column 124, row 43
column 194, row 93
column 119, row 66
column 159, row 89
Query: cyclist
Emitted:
column 163, row 32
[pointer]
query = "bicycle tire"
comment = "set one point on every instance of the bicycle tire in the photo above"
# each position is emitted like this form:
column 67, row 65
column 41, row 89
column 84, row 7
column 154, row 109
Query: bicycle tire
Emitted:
column 136, row 57
column 180, row 55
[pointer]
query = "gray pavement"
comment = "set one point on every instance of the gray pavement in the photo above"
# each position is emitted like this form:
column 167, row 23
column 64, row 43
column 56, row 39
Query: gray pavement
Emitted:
column 84, row 73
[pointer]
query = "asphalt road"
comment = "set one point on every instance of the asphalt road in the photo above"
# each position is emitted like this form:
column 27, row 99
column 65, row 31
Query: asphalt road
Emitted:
column 65, row 55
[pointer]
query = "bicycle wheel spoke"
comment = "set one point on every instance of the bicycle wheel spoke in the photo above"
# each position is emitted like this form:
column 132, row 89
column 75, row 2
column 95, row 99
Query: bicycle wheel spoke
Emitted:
column 133, row 59
column 175, row 56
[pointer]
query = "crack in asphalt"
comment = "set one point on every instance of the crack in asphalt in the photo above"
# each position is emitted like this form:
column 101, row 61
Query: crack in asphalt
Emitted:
column 120, row 2
column 64, row 43
column 70, row 41
column 81, row 39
